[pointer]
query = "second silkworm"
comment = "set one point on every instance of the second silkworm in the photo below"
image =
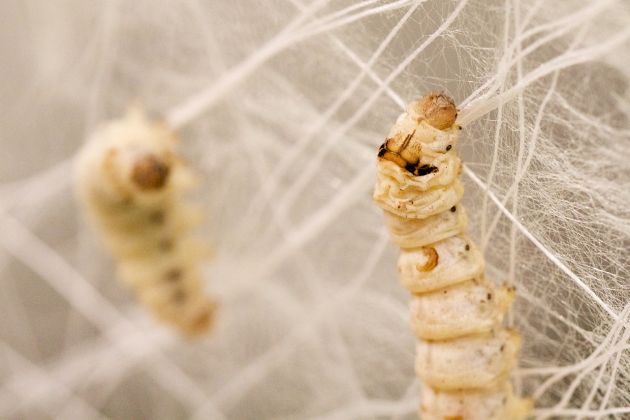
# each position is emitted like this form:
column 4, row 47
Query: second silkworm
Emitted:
column 131, row 182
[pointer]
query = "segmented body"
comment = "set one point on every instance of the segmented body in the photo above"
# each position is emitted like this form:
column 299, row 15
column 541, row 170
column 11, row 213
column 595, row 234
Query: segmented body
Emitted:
column 464, row 354
column 130, row 182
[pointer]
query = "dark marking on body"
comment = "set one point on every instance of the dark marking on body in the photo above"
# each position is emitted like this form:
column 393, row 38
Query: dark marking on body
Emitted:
column 165, row 245
column 127, row 201
column 406, row 141
column 157, row 217
column 426, row 169
column 411, row 167
column 382, row 150
column 174, row 274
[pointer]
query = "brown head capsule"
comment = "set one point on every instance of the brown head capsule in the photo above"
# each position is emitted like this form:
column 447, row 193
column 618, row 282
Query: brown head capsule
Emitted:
column 150, row 172
column 437, row 109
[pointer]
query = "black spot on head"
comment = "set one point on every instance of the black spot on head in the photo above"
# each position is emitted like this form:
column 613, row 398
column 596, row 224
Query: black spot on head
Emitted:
column 411, row 167
column 179, row 296
column 449, row 147
column 453, row 209
column 382, row 150
column 489, row 296
column 467, row 247
column 426, row 169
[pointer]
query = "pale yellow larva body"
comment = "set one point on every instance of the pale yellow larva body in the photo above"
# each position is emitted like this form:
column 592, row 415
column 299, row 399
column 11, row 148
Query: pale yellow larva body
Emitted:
column 464, row 356
column 131, row 182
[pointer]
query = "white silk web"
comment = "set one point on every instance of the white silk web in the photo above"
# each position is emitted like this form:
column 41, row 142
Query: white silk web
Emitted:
column 281, row 106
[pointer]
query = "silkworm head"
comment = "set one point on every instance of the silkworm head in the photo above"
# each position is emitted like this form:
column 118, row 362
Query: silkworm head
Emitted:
column 437, row 109
column 150, row 172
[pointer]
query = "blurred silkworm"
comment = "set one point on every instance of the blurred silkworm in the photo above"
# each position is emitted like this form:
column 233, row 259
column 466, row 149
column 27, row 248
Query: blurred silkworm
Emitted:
column 130, row 181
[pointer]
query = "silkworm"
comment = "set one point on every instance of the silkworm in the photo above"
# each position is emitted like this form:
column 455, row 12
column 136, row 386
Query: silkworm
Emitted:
column 130, row 181
column 465, row 355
